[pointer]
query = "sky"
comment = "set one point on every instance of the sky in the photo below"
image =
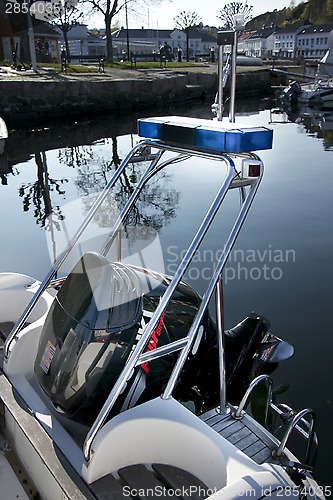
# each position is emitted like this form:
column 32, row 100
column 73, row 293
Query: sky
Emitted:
column 162, row 17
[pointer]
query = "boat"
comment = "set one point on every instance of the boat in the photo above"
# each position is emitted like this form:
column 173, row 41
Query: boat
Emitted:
column 95, row 398
column 244, row 60
column 318, row 93
column 120, row 381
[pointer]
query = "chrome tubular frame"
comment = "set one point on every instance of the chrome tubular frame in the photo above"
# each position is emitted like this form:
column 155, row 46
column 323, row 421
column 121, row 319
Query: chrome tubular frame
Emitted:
column 233, row 79
column 211, row 287
column 220, row 342
column 139, row 357
column 253, row 384
column 115, row 231
column 184, row 345
column 219, row 113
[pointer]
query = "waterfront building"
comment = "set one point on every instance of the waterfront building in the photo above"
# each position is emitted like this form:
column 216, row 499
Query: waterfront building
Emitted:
column 314, row 41
column 285, row 40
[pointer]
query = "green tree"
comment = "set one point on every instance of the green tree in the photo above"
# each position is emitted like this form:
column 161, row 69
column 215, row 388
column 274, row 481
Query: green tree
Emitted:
column 187, row 21
column 329, row 9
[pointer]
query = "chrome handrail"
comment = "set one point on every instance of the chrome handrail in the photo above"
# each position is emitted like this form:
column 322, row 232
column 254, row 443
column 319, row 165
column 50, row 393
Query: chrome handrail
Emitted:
column 253, row 384
column 311, row 436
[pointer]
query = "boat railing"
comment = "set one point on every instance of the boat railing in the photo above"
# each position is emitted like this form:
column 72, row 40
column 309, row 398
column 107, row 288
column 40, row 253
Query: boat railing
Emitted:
column 288, row 416
column 253, row 384
column 309, row 434
column 139, row 356
column 185, row 344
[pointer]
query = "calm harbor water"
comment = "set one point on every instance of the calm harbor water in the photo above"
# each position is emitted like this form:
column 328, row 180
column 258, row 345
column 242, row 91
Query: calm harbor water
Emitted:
column 282, row 266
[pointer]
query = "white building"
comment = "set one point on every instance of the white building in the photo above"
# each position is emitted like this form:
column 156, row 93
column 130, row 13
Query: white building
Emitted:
column 241, row 44
column 314, row 41
column 285, row 40
column 147, row 41
column 199, row 42
column 82, row 42
column 260, row 43
column 141, row 41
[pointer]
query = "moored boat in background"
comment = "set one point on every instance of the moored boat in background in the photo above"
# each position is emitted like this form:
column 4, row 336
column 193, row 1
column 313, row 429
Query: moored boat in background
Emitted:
column 319, row 93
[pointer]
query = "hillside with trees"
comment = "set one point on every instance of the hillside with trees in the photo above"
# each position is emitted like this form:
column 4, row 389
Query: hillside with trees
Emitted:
column 316, row 11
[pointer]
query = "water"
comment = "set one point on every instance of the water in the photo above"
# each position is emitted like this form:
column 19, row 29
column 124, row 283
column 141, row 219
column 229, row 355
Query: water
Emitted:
column 282, row 264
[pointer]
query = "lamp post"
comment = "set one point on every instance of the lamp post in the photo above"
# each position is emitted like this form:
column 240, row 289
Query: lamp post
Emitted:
column 31, row 37
column 239, row 20
column 127, row 36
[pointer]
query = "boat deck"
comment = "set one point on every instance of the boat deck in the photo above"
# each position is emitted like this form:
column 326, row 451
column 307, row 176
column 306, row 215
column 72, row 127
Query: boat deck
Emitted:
column 244, row 434
column 150, row 483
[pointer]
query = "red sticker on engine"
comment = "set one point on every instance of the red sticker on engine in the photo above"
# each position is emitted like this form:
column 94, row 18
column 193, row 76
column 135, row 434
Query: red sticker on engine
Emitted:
column 47, row 357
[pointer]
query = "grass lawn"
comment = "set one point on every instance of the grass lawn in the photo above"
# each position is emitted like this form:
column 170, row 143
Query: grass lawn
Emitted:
column 90, row 68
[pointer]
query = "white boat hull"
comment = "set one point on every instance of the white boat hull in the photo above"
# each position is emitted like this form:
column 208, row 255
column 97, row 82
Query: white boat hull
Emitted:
column 159, row 431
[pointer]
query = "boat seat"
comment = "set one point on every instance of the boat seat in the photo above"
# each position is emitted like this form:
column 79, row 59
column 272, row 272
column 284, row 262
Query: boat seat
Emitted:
column 148, row 482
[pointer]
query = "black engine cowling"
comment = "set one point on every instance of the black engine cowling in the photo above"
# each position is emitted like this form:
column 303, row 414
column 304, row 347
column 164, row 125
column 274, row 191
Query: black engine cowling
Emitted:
column 95, row 322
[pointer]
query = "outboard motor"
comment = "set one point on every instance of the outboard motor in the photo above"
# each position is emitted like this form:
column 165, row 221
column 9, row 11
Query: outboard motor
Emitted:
column 94, row 324
column 97, row 319
column 291, row 93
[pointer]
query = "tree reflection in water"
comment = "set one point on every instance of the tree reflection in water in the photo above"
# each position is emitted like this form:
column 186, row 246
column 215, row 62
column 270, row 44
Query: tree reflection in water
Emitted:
column 92, row 167
column 39, row 192
column 154, row 208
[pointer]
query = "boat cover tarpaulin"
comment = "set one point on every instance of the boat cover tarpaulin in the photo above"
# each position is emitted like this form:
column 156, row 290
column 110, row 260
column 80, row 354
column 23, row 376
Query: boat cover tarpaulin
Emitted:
column 325, row 69
column 204, row 134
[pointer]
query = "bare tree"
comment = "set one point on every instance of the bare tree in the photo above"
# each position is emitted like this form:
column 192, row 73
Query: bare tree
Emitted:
column 227, row 14
column 67, row 15
column 108, row 8
column 187, row 21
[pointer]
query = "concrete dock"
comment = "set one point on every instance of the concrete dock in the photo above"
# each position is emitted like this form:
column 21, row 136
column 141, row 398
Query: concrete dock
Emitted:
column 30, row 99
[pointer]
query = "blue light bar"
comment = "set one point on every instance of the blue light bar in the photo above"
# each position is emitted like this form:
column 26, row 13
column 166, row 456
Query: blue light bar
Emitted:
column 206, row 134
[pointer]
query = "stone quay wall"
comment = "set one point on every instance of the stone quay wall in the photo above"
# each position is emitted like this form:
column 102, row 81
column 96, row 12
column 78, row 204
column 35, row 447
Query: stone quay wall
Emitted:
column 29, row 103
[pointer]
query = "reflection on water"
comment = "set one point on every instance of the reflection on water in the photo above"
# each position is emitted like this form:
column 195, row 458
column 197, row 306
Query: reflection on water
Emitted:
column 45, row 172
column 37, row 195
column 317, row 122
column 93, row 163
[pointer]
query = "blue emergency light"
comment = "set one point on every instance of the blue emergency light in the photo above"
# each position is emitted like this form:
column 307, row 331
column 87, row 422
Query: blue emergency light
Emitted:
column 204, row 134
